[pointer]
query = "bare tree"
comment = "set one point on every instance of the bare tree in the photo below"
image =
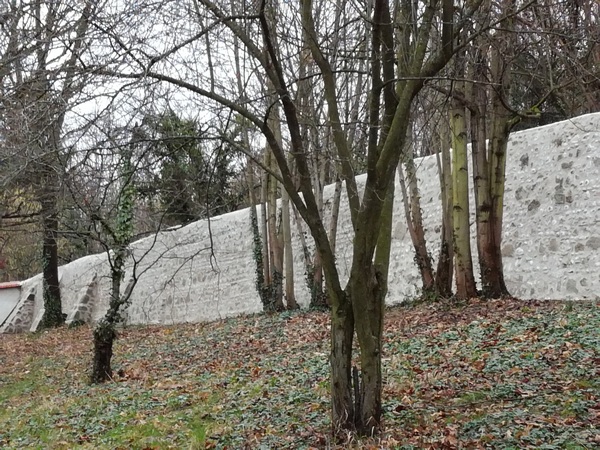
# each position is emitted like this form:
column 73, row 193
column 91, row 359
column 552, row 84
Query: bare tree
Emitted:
column 40, row 83
column 119, row 233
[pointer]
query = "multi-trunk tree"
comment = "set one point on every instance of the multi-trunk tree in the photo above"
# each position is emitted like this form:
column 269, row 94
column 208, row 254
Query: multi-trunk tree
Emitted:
column 405, row 49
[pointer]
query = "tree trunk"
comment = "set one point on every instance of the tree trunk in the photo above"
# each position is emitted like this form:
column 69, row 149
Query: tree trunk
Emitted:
column 257, row 240
column 105, row 332
column 290, row 297
column 443, row 276
column 490, row 258
column 366, row 288
column 492, row 272
column 414, row 222
column 275, row 245
column 492, row 275
column 263, row 224
column 465, row 280
column 318, row 298
column 121, row 232
column 53, row 316
column 342, row 334
column 315, row 288
column 335, row 213
column 104, row 336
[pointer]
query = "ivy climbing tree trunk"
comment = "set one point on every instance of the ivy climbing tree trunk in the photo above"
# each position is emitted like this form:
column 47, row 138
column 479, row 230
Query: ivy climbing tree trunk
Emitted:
column 275, row 237
column 120, row 233
column 48, row 194
column 53, row 315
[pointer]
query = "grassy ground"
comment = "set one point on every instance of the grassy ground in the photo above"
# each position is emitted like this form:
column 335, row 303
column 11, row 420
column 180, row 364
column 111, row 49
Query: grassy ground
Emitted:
column 503, row 374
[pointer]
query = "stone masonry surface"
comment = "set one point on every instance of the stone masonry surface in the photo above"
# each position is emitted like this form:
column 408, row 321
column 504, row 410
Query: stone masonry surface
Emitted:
column 20, row 319
column 551, row 242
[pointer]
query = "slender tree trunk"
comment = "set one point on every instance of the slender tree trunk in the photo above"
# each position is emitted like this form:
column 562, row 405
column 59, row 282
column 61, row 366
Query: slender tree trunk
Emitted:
column 443, row 276
column 105, row 332
column 492, row 269
column 104, row 337
column 260, row 243
column 465, row 280
column 257, row 240
column 492, row 274
column 275, row 235
column 315, row 289
column 122, row 231
column 366, row 286
column 368, row 289
column 275, row 248
column 489, row 160
column 264, row 222
column 414, row 221
column 335, row 213
column 318, row 299
column 490, row 265
column 290, row 297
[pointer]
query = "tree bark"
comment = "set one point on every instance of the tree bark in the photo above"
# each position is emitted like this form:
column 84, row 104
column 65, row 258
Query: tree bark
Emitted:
column 53, row 315
column 275, row 247
column 315, row 286
column 492, row 272
column 264, row 217
column 290, row 297
column 342, row 334
column 104, row 336
column 335, row 213
column 443, row 276
column 367, row 291
column 489, row 161
column 121, row 233
column 105, row 333
column 414, row 222
column 465, row 280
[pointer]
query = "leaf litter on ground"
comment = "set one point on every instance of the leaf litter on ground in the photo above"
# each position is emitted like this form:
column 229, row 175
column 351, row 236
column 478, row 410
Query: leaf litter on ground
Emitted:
column 485, row 374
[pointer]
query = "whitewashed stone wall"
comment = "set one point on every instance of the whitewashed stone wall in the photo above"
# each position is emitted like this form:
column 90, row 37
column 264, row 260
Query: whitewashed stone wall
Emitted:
column 551, row 240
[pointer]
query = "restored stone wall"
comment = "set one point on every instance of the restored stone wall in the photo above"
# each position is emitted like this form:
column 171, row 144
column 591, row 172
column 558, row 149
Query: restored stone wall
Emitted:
column 19, row 321
column 551, row 240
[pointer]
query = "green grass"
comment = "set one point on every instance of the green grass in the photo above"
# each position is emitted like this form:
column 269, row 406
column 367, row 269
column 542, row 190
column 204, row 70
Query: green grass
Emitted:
column 499, row 375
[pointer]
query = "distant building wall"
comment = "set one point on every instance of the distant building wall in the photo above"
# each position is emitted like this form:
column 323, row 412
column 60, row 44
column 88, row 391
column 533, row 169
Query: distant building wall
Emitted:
column 551, row 243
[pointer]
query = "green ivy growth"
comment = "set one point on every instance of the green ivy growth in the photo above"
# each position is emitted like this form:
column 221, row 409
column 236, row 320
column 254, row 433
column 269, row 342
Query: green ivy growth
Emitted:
column 266, row 292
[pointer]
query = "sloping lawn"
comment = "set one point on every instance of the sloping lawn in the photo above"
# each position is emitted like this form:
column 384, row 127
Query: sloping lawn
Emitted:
column 500, row 374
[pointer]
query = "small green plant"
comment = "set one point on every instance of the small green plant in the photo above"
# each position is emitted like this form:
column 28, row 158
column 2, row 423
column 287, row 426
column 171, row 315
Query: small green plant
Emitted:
column 198, row 431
